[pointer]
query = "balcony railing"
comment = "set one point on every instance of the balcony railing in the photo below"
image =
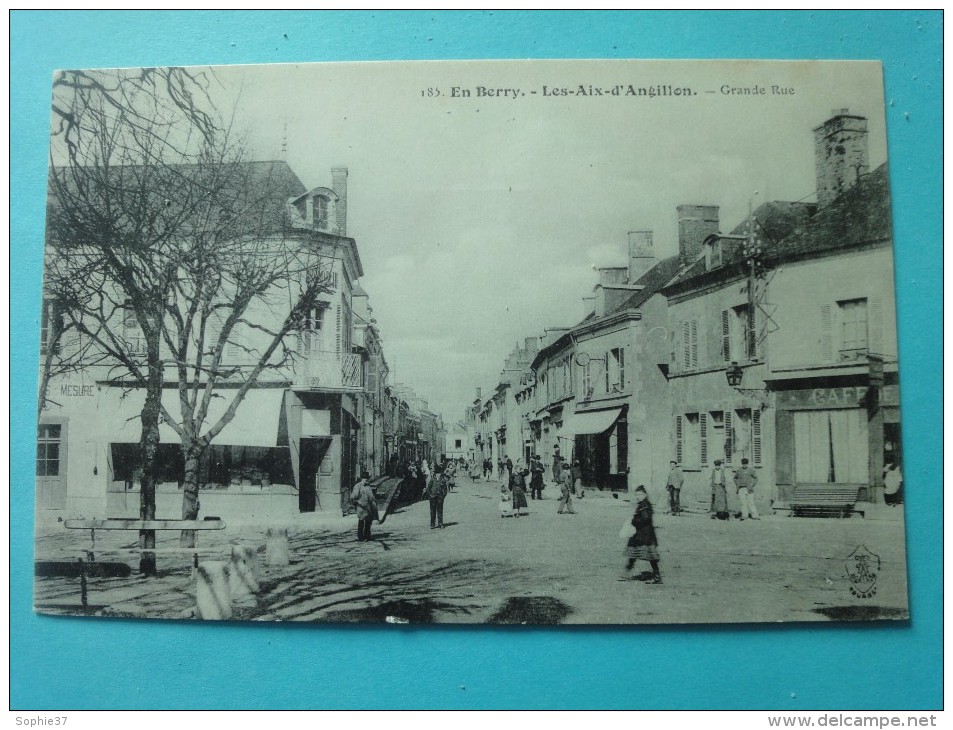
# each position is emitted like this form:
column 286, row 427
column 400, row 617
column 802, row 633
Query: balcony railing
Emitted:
column 329, row 371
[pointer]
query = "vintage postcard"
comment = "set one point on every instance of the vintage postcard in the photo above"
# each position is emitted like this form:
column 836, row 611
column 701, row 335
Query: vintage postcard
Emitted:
column 528, row 342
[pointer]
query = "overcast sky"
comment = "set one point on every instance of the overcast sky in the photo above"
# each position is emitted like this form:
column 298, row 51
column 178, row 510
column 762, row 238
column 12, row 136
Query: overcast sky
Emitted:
column 479, row 220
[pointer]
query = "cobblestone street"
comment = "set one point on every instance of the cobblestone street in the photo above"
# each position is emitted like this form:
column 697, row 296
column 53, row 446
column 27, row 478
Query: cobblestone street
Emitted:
column 541, row 568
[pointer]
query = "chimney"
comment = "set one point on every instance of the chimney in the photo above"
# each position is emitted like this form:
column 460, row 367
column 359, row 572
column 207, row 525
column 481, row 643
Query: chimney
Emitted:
column 531, row 344
column 479, row 393
column 641, row 254
column 339, row 186
column 612, row 275
column 695, row 224
column 840, row 154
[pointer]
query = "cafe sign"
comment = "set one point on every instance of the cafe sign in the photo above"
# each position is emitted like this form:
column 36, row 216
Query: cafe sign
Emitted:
column 838, row 397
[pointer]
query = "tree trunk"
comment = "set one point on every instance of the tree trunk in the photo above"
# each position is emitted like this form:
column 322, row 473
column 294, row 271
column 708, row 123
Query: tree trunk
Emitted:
column 190, row 492
column 148, row 446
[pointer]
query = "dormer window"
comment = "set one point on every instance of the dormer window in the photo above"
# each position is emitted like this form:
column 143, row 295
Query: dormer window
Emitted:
column 321, row 207
column 713, row 254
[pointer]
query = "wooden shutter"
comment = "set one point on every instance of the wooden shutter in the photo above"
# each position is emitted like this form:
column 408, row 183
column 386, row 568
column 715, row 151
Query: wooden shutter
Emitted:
column 729, row 437
column 756, row 437
column 875, row 325
column 621, row 368
column 678, row 439
column 695, row 343
column 751, row 335
column 827, row 335
column 703, row 432
column 726, row 335
column 337, row 328
column 686, row 345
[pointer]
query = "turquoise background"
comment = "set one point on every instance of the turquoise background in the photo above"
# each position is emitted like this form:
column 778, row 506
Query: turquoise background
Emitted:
column 59, row 663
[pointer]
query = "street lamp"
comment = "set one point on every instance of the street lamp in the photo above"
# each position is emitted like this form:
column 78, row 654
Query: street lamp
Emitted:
column 734, row 373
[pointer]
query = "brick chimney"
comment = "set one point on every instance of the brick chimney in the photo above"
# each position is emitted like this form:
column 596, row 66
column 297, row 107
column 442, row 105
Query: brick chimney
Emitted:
column 840, row 154
column 695, row 224
column 339, row 186
column 641, row 254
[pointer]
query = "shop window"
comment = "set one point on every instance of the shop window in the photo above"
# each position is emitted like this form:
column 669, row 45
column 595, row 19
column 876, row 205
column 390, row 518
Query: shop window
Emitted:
column 831, row 446
column 220, row 465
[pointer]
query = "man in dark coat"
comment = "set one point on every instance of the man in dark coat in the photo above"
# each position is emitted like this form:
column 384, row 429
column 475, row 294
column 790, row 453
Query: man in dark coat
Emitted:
column 674, row 487
column 436, row 492
column 536, row 470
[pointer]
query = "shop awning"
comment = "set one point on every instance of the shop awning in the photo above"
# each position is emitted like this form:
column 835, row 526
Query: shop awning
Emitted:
column 588, row 423
column 256, row 421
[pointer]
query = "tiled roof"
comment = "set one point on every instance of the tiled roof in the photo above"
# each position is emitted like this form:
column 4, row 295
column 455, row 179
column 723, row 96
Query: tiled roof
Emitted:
column 859, row 217
column 653, row 280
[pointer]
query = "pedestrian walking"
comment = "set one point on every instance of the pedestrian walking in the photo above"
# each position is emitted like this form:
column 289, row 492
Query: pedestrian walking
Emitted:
column 365, row 503
column 745, row 479
column 719, row 494
column 500, row 466
column 643, row 544
column 536, row 470
column 674, row 487
column 518, row 488
column 436, row 493
column 508, row 465
column 488, row 469
column 576, row 472
column 565, row 499
column 557, row 467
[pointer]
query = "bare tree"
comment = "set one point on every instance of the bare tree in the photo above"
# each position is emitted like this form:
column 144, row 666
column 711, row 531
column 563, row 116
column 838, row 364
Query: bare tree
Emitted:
column 164, row 246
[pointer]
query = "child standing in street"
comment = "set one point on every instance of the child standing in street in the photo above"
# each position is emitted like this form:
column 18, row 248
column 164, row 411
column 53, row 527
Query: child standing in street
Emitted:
column 643, row 545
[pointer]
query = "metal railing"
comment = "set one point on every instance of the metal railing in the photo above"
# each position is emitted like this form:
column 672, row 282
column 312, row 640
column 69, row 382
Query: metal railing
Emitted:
column 329, row 370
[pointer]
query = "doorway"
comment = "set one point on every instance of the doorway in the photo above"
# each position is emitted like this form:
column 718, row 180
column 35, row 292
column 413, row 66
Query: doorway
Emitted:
column 312, row 453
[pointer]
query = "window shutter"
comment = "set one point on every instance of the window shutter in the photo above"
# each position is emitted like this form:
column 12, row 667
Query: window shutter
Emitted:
column 695, row 343
column 876, row 325
column 678, row 439
column 726, row 335
column 337, row 329
column 703, row 430
column 686, row 345
column 752, row 334
column 827, row 343
column 729, row 437
column 621, row 368
column 756, row 437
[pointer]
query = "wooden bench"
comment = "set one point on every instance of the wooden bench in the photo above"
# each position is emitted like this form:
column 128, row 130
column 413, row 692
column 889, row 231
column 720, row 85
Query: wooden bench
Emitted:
column 825, row 500
column 137, row 525
column 91, row 568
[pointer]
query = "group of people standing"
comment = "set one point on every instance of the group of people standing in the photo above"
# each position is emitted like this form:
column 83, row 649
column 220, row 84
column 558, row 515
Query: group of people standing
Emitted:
column 745, row 478
column 515, row 479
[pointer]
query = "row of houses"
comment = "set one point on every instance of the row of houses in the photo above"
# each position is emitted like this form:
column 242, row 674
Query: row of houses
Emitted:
column 774, row 342
column 298, row 439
